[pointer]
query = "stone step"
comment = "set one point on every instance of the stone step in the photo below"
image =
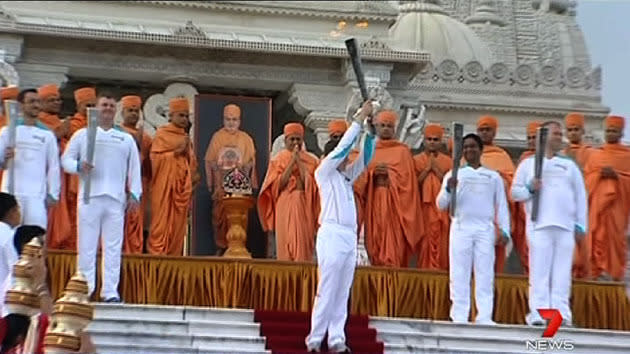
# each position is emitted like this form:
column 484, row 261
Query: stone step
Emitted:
column 177, row 326
column 514, row 332
column 423, row 340
column 409, row 348
column 115, row 348
column 162, row 312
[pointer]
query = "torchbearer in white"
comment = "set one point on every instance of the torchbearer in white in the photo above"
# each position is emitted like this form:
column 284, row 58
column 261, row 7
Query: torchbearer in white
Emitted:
column 562, row 219
column 114, row 171
column 30, row 151
column 337, row 236
column 480, row 201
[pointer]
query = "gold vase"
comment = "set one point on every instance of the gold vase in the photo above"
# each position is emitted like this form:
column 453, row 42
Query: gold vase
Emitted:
column 236, row 208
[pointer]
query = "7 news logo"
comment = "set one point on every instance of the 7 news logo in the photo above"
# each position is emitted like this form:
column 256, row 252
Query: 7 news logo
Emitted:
column 547, row 342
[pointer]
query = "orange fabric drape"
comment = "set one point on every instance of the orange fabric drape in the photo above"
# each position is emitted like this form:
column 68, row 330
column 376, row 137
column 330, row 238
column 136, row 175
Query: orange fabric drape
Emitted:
column 496, row 158
column 581, row 256
column 289, row 286
column 391, row 213
column 434, row 245
column 291, row 212
column 134, row 220
column 609, row 209
column 171, row 191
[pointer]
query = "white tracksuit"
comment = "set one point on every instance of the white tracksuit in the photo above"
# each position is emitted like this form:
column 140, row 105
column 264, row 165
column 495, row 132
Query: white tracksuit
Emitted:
column 480, row 201
column 8, row 258
column 337, row 238
column 37, row 174
column 116, row 170
column 562, row 210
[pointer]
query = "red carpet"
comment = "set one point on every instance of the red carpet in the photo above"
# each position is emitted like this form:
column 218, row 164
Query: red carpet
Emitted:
column 286, row 331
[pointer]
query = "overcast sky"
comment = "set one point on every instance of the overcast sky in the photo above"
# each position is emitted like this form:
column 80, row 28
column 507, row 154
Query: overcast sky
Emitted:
column 607, row 33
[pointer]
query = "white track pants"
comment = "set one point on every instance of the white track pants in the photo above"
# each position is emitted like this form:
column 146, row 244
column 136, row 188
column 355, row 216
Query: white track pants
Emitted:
column 336, row 257
column 550, row 261
column 33, row 211
column 468, row 250
column 102, row 218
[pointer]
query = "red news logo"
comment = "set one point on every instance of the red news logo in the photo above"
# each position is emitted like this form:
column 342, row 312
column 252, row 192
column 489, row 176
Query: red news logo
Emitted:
column 554, row 318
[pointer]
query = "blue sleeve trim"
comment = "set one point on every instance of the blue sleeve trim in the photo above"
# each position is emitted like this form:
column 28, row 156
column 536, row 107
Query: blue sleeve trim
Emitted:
column 78, row 166
column 368, row 149
column 52, row 198
column 505, row 235
column 448, row 190
column 580, row 228
column 135, row 199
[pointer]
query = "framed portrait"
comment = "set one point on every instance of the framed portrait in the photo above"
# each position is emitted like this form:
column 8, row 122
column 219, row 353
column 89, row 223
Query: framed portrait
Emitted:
column 256, row 122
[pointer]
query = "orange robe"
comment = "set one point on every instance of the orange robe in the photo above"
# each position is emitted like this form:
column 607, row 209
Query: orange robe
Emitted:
column 609, row 208
column 291, row 212
column 134, row 220
column 171, row 191
column 520, row 225
column 391, row 213
column 581, row 256
column 434, row 245
column 497, row 159
column 59, row 230
column 77, row 122
column 245, row 145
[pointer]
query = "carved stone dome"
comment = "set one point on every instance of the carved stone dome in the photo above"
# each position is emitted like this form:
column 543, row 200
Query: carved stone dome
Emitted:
column 424, row 26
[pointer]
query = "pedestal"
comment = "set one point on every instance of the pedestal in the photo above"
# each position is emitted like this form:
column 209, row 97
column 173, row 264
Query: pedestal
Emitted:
column 236, row 208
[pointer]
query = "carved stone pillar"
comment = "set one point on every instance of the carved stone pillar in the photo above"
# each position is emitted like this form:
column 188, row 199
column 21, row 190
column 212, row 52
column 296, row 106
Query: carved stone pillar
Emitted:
column 319, row 104
column 10, row 51
column 35, row 75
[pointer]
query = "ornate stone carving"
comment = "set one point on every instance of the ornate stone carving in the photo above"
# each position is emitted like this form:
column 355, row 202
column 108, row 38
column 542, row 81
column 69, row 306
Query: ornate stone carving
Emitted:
column 524, row 75
column 375, row 43
column 576, row 77
column 473, row 71
column 499, row 73
column 596, row 78
column 156, row 107
column 549, row 75
column 448, row 70
column 190, row 30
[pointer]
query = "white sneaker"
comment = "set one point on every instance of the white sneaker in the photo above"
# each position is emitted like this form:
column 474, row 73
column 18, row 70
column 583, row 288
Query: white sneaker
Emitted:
column 339, row 348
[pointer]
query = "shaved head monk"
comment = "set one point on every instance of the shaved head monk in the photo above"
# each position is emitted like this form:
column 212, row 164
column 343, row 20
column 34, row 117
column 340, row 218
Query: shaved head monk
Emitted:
column 288, row 202
column 173, row 177
column 59, row 227
column 607, row 176
column 579, row 152
column 431, row 166
column 495, row 158
column 392, row 217
column 134, row 219
column 229, row 140
column 530, row 131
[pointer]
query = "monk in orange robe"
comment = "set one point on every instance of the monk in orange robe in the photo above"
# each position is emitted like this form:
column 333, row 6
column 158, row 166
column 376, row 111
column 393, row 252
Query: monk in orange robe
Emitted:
column 431, row 165
column 579, row 152
column 174, row 166
column 6, row 93
column 84, row 97
column 520, row 228
column 288, row 202
column 133, row 242
column 496, row 158
column 228, row 140
column 59, row 228
column 391, row 215
column 607, row 177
